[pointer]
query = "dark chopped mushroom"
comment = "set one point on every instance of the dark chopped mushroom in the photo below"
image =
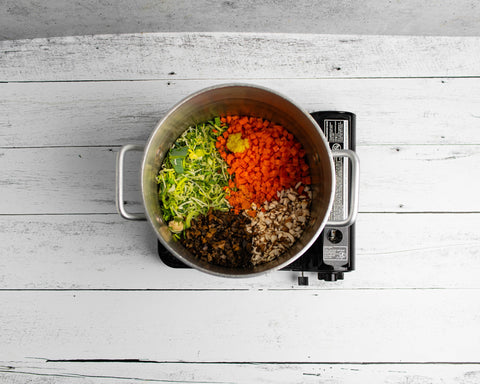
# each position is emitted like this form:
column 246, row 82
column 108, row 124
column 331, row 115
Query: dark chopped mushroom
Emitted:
column 220, row 238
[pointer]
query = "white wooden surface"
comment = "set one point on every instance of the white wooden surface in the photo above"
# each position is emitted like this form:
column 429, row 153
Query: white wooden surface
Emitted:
column 21, row 19
column 83, row 296
column 242, row 56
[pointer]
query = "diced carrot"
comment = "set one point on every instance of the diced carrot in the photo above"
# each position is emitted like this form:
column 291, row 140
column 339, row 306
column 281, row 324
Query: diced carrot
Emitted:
column 274, row 160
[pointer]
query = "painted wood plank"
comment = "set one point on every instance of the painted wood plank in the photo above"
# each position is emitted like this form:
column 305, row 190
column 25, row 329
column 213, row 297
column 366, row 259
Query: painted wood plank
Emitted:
column 24, row 19
column 419, row 178
column 393, row 251
column 389, row 111
column 57, row 180
column 216, row 56
column 237, row 326
column 42, row 372
column 82, row 179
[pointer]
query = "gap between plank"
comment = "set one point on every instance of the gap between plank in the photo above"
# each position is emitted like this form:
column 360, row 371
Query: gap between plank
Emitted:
column 78, row 376
column 239, row 80
column 309, row 289
column 136, row 361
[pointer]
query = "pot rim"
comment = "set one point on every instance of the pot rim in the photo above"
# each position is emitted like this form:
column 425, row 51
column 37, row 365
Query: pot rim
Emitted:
column 332, row 172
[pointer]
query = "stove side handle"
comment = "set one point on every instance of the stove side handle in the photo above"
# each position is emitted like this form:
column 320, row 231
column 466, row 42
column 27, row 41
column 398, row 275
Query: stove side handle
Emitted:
column 354, row 188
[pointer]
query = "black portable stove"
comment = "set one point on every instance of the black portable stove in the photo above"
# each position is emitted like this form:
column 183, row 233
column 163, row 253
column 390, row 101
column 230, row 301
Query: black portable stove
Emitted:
column 333, row 253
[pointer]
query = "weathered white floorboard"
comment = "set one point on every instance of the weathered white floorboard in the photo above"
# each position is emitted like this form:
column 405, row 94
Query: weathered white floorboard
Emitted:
column 236, row 326
column 25, row 19
column 389, row 111
column 419, row 178
column 248, row 55
column 82, row 179
column 393, row 251
column 59, row 180
column 79, row 283
column 41, row 372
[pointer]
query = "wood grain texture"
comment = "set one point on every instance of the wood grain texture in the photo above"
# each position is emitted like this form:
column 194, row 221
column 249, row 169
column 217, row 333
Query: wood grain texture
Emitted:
column 84, row 297
column 38, row 371
column 234, row 326
column 82, row 179
column 393, row 251
column 389, row 111
column 248, row 55
column 26, row 19
column 59, row 180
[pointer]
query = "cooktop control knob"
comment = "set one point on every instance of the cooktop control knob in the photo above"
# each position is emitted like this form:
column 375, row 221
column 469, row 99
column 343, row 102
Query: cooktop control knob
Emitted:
column 302, row 280
column 334, row 235
column 330, row 276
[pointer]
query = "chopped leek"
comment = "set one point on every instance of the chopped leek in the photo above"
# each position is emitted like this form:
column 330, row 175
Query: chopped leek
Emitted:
column 193, row 176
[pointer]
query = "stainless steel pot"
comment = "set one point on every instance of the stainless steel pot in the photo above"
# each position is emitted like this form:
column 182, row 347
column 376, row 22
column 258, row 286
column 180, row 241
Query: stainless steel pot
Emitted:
column 240, row 99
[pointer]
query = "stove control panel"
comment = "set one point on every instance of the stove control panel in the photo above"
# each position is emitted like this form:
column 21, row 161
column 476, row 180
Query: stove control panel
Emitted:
column 332, row 254
column 337, row 242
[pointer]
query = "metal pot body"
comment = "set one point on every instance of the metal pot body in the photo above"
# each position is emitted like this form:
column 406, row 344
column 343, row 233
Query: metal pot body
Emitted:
column 239, row 99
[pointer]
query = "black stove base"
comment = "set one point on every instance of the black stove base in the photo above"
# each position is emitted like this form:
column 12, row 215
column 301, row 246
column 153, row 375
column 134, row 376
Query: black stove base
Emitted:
column 310, row 261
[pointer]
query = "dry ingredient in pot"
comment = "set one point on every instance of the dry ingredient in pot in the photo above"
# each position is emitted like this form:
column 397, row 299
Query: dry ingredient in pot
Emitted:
column 236, row 191
column 220, row 238
column 263, row 159
column 278, row 224
column 193, row 177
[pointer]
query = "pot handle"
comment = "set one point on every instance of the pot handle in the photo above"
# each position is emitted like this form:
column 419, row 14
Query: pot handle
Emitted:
column 354, row 188
column 119, row 185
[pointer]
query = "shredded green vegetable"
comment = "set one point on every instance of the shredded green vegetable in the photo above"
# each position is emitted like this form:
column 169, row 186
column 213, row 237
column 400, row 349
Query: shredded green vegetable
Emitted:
column 193, row 177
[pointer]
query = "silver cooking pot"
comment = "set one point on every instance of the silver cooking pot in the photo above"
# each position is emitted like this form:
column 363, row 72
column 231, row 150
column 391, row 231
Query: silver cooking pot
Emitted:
column 240, row 99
